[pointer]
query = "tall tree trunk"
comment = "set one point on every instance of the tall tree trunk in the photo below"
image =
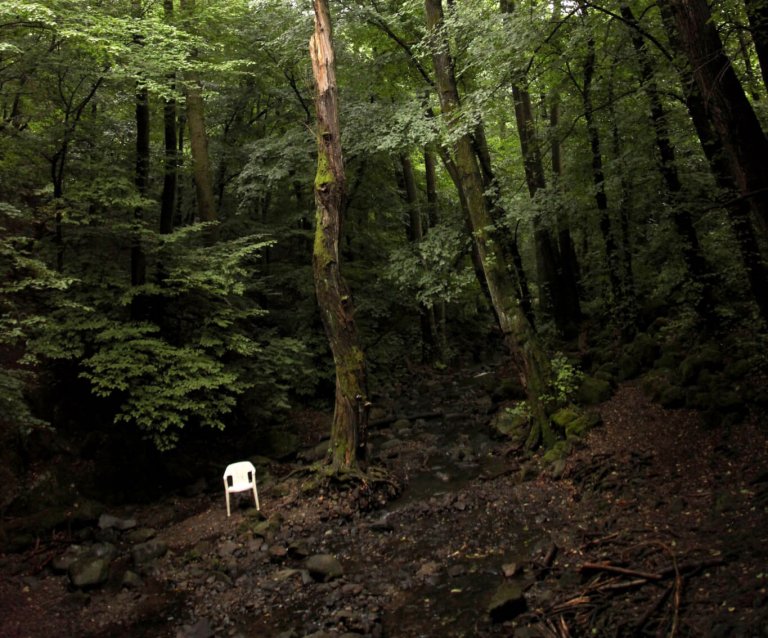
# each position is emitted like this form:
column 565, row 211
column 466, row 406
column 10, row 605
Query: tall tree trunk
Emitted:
column 547, row 256
column 548, row 265
column 415, row 236
column 697, row 267
column 198, row 139
column 438, row 314
column 138, row 260
column 350, row 416
column 737, row 208
column 509, row 251
column 569, row 264
column 526, row 352
column 141, row 181
column 601, row 197
column 727, row 107
column 757, row 13
column 170, row 166
column 170, row 160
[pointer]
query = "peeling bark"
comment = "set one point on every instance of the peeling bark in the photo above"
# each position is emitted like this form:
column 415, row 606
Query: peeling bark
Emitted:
column 350, row 417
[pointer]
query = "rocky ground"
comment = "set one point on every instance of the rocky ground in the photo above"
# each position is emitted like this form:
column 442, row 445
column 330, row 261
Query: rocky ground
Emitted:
column 653, row 526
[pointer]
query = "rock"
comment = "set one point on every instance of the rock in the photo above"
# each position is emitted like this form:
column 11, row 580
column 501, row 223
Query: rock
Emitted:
column 454, row 571
column 401, row 424
column 593, row 391
column 324, row 567
column 89, row 571
column 62, row 562
column 277, row 553
column 564, row 416
column 316, row 453
column 510, row 569
column 284, row 574
column 391, row 444
column 132, row 580
column 201, row 629
column 580, row 426
column 509, row 424
column 298, row 549
column 378, row 413
column 429, row 568
column 227, row 548
column 507, row 603
column 140, row 535
column 145, row 552
column 108, row 521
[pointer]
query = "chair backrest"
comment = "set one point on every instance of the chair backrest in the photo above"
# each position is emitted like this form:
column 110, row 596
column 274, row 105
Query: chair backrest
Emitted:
column 238, row 473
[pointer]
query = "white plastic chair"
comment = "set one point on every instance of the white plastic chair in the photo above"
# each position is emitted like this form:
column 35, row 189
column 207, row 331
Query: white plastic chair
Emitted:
column 240, row 477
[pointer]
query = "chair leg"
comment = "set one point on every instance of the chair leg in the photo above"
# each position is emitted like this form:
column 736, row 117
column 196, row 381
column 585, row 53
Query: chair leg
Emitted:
column 226, row 495
column 256, row 497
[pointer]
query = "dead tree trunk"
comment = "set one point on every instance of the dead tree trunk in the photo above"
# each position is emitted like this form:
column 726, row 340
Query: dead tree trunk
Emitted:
column 350, row 417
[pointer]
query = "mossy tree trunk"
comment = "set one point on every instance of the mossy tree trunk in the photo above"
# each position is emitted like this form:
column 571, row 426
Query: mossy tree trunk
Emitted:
column 350, row 417
column 520, row 338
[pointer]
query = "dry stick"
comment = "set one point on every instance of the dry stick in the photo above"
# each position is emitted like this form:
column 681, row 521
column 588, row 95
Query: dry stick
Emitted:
column 618, row 586
column 606, row 567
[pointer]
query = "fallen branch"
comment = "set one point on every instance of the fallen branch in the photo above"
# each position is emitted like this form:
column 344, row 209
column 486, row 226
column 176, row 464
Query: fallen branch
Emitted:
column 607, row 567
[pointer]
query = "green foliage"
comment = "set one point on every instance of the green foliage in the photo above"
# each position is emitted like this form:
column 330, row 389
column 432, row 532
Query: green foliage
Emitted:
column 566, row 379
column 428, row 272
column 164, row 386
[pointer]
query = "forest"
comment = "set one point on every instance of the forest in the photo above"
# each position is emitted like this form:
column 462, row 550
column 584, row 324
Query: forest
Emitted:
column 478, row 286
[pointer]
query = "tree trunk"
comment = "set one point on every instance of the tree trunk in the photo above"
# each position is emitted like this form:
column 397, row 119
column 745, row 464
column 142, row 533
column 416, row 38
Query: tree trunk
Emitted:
column 526, row 352
column 168, row 197
column 738, row 208
column 437, row 317
column 508, row 251
column 697, row 267
column 601, row 198
column 727, row 107
column 350, row 417
column 757, row 13
column 415, row 236
column 198, row 140
column 138, row 260
column 569, row 264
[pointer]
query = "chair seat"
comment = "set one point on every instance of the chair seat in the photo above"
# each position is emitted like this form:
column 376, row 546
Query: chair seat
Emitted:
column 240, row 487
